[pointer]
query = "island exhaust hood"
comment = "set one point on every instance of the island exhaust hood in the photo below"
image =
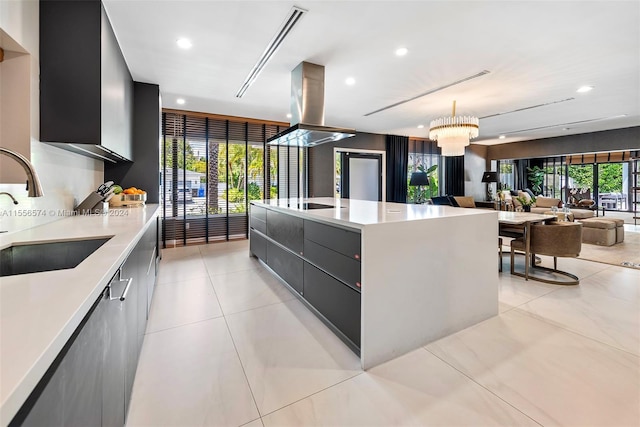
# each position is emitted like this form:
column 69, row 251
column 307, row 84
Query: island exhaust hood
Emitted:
column 307, row 111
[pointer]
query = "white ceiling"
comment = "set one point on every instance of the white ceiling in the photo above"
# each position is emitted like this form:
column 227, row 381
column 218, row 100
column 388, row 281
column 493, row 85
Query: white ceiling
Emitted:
column 537, row 52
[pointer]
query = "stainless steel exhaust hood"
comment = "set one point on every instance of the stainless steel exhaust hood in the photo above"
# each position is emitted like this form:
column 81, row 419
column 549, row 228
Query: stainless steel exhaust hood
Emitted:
column 307, row 111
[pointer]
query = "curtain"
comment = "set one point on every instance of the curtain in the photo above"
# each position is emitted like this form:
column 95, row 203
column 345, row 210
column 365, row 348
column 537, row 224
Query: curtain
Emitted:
column 397, row 168
column 454, row 175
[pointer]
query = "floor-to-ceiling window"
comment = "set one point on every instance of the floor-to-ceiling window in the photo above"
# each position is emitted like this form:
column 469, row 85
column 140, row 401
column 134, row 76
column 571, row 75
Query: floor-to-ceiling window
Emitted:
column 212, row 168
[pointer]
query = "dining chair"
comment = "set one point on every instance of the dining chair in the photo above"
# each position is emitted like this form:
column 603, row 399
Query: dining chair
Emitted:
column 556, row 239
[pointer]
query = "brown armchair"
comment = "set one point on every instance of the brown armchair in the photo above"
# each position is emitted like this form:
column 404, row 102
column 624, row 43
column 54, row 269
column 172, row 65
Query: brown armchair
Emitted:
column 557, row 239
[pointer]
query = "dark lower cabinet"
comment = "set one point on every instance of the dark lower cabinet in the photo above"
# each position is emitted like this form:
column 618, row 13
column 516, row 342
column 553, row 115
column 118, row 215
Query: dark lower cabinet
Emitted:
column 334, row 300
column 286, row 230
column 113, row 396
column 338, row 265
column 90, row 382
column 70, row 393
column 287, row 265
column 258, row 245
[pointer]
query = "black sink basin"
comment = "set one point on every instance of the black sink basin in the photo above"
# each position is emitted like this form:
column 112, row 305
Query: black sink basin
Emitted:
column 48, row 256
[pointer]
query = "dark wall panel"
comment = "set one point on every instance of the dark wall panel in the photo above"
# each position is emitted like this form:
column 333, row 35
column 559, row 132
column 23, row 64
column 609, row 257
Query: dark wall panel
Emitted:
column 610, row 140
column 144, row 172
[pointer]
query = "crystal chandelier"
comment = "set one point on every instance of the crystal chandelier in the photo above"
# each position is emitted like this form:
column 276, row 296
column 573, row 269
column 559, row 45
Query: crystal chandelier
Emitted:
column 453, row 133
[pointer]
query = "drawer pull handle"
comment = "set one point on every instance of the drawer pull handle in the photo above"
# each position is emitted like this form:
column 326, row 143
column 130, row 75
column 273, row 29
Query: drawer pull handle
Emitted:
column 358, row 284
column 356, row 256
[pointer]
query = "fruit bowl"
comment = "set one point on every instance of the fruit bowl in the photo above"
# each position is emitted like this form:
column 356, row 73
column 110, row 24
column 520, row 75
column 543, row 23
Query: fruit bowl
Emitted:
column 128, row 200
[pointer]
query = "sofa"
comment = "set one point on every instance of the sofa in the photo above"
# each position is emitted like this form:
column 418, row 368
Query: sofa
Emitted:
column 541, row 205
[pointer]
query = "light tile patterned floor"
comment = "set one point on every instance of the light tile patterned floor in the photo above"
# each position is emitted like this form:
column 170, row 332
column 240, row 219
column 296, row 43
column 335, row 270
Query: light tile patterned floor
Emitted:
column 228, row 345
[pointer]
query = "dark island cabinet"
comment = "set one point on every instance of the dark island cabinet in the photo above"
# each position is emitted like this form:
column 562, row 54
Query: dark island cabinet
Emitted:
column 287, row 265
column 286, row 230
column 90, row 382
column 320, row 262
column 338, row 303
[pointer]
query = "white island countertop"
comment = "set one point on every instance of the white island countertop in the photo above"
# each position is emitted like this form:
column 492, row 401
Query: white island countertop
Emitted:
column 360, row 213
column 425, row 271
column 40, row 311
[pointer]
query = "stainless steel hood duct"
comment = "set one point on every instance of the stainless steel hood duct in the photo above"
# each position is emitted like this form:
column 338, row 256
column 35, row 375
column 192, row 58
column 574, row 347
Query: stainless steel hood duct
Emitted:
column 307, row 111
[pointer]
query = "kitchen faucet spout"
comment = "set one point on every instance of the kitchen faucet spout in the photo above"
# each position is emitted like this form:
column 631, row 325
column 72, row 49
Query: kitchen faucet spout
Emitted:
column 33, row 182
column 15, row 202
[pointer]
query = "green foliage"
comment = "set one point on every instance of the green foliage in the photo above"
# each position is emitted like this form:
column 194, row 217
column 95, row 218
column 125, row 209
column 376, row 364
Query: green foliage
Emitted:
column 524, row 201
column 582, row 176
column 610, row 178
column 535, row 176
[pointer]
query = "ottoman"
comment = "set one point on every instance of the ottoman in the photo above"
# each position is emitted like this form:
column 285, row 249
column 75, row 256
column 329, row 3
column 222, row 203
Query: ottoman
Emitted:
column 619, row 229
column 582, row 213
column 598, row 231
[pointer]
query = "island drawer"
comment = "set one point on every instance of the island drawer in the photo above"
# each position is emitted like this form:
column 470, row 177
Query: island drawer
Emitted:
column 335, row 238
column 259, row 212
column 340, row 266
column 337, row 302
column 258, row 219
column 258, row 245
column 287, row 265
column 286, row 230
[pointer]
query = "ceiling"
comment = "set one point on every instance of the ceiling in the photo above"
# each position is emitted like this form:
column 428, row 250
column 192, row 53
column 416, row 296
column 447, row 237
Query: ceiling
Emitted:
column 537, row 52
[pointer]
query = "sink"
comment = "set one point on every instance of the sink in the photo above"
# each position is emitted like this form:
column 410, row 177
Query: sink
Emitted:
column 46, row 256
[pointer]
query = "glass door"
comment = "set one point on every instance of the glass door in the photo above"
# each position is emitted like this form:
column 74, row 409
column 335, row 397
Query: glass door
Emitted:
column 612, row 184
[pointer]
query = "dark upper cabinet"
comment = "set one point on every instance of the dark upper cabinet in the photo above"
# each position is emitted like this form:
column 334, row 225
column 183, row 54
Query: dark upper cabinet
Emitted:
column 86, row 89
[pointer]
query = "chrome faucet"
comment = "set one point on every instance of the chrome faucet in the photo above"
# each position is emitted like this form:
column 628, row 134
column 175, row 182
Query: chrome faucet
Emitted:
column 15, row 202
column 33, row 182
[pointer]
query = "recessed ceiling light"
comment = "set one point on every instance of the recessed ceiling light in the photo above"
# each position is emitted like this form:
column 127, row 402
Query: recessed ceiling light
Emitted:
column 184, row 43
column 288, row 115
column 420, row 126
column 402, row 51
column 565, row 128
column 180, row 101
column 350, row 81
column 584, row 89
column 502, row 137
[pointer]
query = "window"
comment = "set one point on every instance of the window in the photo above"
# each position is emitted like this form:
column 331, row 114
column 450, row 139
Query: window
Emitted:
column 212, row 168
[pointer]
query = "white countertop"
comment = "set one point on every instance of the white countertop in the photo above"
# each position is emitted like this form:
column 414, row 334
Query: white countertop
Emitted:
column 40, row 311
column 361, row 213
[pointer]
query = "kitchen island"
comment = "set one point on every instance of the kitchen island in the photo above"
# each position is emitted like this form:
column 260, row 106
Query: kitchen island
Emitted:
column 387, row 278
column 42, row 313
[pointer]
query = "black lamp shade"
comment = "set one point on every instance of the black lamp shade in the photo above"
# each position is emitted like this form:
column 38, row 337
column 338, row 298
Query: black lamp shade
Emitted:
column 419, row 178
column 490, row 177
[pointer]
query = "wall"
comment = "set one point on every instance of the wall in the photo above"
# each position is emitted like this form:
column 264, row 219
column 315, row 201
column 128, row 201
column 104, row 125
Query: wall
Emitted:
column 66, row 177
column 321, row 160
column 610, row 140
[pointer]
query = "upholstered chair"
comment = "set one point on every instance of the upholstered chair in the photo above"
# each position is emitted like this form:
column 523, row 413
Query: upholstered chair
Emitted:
column 556, row 239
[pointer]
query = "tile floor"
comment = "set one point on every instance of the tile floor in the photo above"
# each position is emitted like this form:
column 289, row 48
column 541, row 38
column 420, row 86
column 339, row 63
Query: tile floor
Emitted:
column 227, row 344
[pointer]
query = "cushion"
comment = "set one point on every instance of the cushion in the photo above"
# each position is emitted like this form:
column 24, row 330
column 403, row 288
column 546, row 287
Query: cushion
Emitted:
column 548, row 202
column 598, row 223
column 506, row 195
column 529, row 192
column 465, row 201
column 453, row 202
column 586, row 203
column 441, row 200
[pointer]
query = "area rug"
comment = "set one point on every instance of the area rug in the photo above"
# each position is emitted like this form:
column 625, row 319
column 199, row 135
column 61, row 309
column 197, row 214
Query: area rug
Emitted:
column 626, row 254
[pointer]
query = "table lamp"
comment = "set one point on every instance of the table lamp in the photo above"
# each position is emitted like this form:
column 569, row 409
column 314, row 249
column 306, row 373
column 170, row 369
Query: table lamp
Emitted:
column 488, row 177
column 418, row 179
